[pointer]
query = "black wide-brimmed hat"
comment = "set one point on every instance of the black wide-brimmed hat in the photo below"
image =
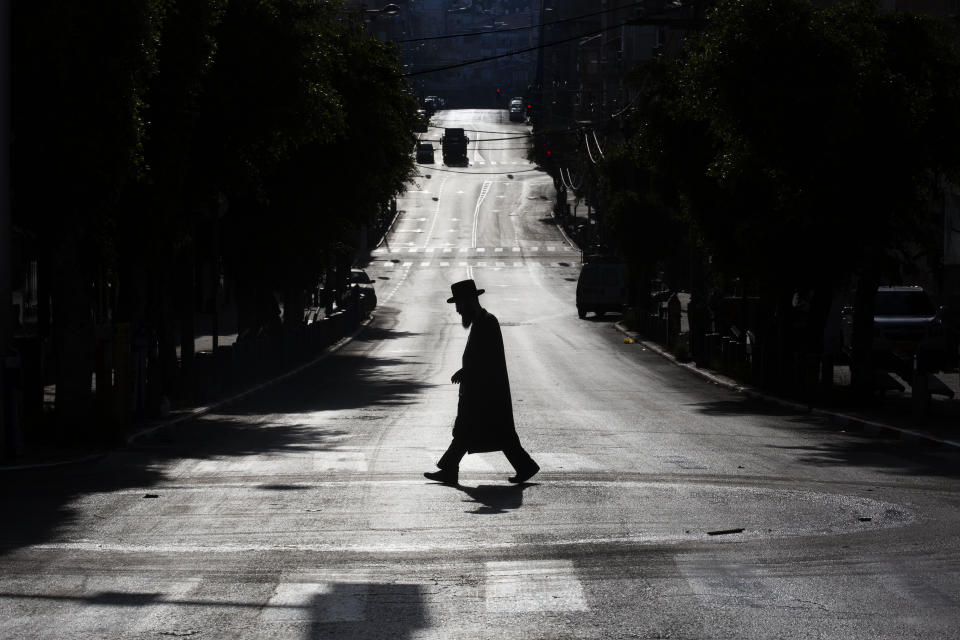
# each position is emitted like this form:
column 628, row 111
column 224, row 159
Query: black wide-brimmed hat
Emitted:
column 463, row 290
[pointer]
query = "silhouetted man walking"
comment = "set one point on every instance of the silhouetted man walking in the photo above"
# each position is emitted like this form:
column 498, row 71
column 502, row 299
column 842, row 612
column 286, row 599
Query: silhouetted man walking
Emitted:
column 485, row 411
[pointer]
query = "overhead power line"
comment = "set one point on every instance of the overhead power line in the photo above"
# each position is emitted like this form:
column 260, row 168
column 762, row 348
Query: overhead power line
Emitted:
column 511, row 29
column 513, row 53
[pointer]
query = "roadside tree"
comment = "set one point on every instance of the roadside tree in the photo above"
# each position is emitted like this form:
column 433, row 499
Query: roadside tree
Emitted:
column 823, row 134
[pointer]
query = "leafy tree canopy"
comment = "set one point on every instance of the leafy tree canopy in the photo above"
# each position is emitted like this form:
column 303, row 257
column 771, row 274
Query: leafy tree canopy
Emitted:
column 820, row 133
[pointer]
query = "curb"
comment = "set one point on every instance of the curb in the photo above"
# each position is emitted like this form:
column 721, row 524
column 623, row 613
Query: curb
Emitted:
column 153, row 426
column 839, row 418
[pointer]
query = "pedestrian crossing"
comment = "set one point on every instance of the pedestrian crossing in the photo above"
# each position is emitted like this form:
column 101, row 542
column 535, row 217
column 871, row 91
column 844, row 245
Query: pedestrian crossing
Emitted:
column 497, row 264
column 474, row 251
column 495, row 257
column 716, row 594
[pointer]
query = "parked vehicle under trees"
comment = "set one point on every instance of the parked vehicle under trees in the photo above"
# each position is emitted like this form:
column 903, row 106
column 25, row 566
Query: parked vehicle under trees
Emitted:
column 802, row 145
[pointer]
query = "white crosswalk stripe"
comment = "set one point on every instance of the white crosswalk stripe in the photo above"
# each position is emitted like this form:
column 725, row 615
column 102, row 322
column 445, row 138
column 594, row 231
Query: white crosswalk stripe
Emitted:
column 389, row 264
column 316, row 602
column 556, row 248
column 533, row 586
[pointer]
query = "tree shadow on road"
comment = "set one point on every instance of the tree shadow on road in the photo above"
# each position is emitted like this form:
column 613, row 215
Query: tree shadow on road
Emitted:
column 886, row 456
column 285, row 419
column 744, row 406
column 851, row 446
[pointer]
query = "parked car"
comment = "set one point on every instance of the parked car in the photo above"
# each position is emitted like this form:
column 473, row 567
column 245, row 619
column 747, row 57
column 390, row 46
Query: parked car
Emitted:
column 432, row 104
column 905, row 322
column 425, row 153
column 602, row 286
column 360, row 279
column 423, row 121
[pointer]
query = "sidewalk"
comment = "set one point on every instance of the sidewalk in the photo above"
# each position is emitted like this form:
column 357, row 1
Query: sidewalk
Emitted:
column 891, row 416
column 40, row 457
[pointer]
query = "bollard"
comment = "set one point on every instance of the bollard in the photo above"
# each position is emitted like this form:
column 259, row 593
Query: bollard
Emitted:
column 919, row 390
column 122, row 366
column 12, row 404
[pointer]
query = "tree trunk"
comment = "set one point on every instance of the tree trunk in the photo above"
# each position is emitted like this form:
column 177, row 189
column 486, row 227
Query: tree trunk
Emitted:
column 861, row 366
column 74, row 338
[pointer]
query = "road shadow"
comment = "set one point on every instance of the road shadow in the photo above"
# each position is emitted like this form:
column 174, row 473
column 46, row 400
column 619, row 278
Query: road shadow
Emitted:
column 743, row 407
column 310, row 609
column 368, row 610
column 608, row 317
column 886, row 453
column 892, row 457
column 496, row 498
column 37, row 504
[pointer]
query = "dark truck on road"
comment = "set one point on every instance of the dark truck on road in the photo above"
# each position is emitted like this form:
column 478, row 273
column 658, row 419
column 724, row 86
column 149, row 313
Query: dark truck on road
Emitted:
column 454, row 146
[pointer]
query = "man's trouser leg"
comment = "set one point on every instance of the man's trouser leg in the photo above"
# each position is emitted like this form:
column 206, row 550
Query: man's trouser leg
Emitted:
column 454, row 454
column 517, row 455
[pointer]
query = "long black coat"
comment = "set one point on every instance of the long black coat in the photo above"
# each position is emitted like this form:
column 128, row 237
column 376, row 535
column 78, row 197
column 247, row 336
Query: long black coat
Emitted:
column 485, row 411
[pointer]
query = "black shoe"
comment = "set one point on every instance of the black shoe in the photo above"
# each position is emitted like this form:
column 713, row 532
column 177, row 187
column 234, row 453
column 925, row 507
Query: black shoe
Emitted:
column 444, row 476
column 524, row 475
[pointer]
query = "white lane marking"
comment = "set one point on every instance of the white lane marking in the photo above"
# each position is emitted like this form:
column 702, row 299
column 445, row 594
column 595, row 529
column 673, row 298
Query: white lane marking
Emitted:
column 447, row 250
column 444, row 264
column 334, row 460
column 518, row 264
column 484, row 189
column 481, row 264
column 516, row 249
column 533, row 586
column 498, row 250
column 480, row 249
column 412, row 250
column 436, row 211
column 566, row 461
column 428, row 250
column 425, row 263
column 463, row 249
column 534, row 248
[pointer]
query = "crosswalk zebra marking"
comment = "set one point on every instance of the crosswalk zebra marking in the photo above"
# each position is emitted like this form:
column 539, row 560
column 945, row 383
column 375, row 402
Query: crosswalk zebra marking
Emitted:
column 316, row 602
column 533, row 586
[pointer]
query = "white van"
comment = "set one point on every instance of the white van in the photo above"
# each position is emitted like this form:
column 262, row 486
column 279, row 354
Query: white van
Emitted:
column 602, row 286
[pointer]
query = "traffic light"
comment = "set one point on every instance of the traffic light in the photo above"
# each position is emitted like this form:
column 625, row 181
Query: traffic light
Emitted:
column 499, row 95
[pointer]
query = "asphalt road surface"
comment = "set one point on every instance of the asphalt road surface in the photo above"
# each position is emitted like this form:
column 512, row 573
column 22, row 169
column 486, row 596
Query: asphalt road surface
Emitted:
column 666, row 507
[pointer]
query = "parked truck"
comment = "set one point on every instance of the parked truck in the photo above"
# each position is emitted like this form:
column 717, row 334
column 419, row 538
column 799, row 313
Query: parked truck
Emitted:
column 454, row 145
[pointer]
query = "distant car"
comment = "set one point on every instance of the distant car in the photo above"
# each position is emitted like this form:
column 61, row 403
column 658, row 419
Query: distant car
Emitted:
column 360, row 279
column 516, row 102
column 432, row 104
column 905, row 323
column 516, row 114
column 423, row 121
column 602, row 286
column 425, row 153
